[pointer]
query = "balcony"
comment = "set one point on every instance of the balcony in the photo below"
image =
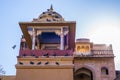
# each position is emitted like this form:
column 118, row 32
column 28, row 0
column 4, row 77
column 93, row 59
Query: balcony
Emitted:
column 96, row 53
column 46, row 53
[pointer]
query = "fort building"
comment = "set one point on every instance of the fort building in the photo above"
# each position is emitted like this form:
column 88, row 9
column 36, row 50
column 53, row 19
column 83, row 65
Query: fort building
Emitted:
column 49, row 51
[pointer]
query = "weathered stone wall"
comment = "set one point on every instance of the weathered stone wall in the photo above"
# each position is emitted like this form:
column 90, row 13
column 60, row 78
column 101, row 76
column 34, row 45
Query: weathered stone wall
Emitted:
column 8, row 77
column 95, row 65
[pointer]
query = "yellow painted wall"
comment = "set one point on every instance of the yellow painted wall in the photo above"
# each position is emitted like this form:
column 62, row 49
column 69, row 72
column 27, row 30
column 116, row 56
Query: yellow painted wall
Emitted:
column 44, row 74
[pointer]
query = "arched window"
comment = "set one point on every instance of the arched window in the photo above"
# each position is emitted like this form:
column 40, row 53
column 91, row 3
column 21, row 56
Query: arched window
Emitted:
column 104, row 71
column 83, row 74
column 78, row 48
column 82, row 47
column 87, row 48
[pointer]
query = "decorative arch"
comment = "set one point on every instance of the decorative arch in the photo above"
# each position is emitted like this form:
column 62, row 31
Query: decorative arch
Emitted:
column 86, row 71
column 78, row 48
column 82, row 47
column 87, row 48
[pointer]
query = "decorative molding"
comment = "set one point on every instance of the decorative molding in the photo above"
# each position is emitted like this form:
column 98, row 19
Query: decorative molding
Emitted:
column 58, row 32
column 39, row 32
column 44, row 66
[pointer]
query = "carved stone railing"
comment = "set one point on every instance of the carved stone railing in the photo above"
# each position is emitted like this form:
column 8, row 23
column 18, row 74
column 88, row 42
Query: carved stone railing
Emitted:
column 37, row 53
column 102, row 52
column 96, row 53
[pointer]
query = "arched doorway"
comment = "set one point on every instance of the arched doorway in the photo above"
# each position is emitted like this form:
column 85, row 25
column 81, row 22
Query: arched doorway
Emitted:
column 83, row 74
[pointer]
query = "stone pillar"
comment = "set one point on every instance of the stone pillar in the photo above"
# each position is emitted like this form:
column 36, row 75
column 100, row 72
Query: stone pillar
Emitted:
column 23, row 43
column 62, row 33
column 62, row 40
column 33, row 39
column 38, row 33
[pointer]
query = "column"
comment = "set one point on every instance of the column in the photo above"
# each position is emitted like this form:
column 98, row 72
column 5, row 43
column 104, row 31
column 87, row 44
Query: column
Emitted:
column 62, row 40
column 33, row 39
column 23, row 43
column 38, row 33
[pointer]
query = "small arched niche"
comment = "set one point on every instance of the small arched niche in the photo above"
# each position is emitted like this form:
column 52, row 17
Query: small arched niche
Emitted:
column 104, row 71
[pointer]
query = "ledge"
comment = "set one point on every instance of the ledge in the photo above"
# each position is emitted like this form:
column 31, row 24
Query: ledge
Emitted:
column 44, row 66
column 61, row 58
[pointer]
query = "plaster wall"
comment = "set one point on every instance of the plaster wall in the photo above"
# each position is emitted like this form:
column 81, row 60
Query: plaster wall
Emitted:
column 44, row 74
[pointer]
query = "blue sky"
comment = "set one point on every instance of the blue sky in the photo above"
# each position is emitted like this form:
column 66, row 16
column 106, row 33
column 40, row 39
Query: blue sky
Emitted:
column 97, row 20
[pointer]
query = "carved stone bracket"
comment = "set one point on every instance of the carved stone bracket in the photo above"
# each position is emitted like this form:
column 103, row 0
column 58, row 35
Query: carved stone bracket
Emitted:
column 39, row 32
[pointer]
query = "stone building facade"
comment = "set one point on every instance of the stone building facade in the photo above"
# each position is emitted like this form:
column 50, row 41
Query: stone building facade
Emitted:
column 95, row 60
column 48, row 51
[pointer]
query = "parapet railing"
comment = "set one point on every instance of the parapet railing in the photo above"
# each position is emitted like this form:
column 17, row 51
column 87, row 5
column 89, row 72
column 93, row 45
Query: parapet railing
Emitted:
column 46, row 53
column 96, row 53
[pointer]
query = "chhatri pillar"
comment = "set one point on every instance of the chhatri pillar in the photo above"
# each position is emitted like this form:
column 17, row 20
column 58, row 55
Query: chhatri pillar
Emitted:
column 62, row 39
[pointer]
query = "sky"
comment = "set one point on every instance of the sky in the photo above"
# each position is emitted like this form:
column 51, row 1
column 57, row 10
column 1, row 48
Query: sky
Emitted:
column 98, row 20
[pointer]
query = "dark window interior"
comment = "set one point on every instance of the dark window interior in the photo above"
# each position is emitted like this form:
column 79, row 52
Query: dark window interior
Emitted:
column 105, row 71
column 49, row 38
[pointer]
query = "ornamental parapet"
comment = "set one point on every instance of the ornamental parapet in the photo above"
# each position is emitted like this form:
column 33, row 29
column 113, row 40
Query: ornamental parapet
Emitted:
column 95, row 53
column 100, row 52
column 45, row 53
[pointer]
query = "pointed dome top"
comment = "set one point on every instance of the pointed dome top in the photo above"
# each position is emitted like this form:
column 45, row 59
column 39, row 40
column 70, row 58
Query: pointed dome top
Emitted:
column 51, row 8
column 49, row 16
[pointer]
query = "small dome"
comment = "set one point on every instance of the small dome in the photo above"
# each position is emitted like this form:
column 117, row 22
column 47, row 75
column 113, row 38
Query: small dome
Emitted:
column 49, row 16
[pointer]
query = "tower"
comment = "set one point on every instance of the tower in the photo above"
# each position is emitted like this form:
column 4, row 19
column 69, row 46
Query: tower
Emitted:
column 46, row 48
column 48, row 51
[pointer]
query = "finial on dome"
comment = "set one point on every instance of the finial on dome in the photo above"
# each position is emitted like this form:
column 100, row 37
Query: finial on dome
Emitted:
column 51, row 8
